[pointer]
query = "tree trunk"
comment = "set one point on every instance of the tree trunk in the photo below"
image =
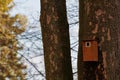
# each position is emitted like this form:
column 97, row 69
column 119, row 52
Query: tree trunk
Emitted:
column 100, row 19
column 56, row 42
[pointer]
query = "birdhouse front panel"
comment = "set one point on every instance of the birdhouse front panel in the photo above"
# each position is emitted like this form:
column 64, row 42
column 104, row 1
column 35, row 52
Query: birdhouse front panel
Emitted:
column 90, row 50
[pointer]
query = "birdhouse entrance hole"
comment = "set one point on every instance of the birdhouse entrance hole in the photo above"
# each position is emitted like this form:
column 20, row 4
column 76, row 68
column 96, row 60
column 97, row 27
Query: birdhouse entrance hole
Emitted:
column 88, row 44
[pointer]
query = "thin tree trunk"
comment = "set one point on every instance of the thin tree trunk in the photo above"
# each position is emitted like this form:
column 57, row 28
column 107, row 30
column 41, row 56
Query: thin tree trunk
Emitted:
column 100, row 19
column 56, row 42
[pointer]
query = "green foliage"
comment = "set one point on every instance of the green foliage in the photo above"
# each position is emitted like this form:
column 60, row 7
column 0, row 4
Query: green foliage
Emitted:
column 10, row 28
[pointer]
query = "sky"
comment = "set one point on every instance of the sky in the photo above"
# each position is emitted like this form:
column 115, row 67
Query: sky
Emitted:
column 30, row 5
column 26, row 7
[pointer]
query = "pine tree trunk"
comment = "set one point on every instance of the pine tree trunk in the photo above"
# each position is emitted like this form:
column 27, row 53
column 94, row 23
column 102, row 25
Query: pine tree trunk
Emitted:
column 100, row 19
column 56, row 42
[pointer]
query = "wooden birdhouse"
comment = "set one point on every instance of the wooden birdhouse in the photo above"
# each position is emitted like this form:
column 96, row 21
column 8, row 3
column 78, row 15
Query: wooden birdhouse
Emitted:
column 90, row 50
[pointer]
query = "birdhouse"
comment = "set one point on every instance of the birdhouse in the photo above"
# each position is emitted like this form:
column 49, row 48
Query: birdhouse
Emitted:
column 90, row 50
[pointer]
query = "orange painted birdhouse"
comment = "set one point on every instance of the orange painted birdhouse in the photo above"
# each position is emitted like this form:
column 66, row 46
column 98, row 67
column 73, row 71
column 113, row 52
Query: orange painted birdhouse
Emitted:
column 90, row 50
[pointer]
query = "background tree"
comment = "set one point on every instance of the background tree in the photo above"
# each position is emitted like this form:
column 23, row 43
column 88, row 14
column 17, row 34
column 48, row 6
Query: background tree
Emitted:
column 100, row 19
column 32, row 53
column 10, row 27
column 55, row 33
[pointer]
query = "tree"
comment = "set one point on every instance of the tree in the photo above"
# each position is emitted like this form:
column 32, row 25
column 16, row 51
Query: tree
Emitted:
column 10, row 27
column 56, row 43
column 100, row 19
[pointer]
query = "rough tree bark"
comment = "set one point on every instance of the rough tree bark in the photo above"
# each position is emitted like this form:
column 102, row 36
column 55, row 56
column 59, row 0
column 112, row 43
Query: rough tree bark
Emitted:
column 101, row 19
column 56, row 42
